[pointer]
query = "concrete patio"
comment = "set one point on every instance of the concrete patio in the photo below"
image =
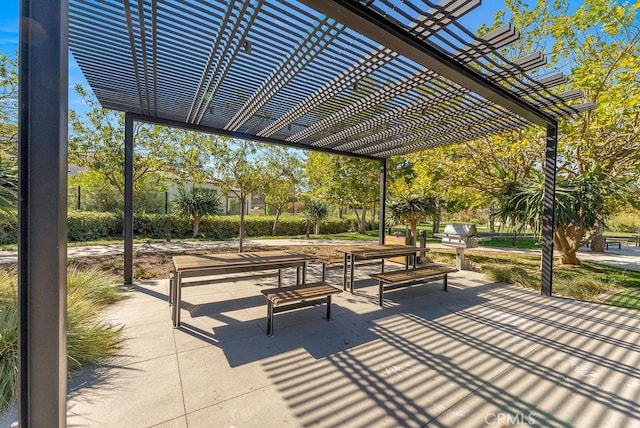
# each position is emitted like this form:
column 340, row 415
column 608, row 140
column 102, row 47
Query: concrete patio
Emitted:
column 483, row 354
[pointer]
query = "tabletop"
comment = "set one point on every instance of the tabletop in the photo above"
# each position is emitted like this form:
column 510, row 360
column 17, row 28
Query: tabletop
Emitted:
column 237, row 259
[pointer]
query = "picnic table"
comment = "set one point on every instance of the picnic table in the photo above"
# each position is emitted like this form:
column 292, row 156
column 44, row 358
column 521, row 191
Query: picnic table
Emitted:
column 353, row 253
column 194, row 266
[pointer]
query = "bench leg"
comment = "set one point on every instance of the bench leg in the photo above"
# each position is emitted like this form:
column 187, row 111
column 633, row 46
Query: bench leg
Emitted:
column 279, row 278
column 380, row 292
column 324, row 271
column 269, row 318
column 329, row 308
column 444, row 282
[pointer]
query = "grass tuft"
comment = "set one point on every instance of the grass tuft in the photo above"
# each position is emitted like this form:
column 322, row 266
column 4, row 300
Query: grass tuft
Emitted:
column 88, row 339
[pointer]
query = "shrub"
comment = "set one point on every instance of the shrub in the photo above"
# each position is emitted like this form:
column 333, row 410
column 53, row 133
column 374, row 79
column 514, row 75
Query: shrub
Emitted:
column 510, row 274
column 197, row 203
column 624, row 222
column 9, row 231
column 88, row 226
column 88, row 339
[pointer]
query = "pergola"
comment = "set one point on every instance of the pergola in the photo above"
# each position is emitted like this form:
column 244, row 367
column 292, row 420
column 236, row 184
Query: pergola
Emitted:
column 369, row 79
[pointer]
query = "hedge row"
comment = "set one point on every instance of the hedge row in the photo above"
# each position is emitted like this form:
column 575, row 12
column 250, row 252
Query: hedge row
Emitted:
column 90, row 226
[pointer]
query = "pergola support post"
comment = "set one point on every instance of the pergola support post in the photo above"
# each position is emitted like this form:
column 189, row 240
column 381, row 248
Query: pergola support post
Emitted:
column 42, row 213
column 127, row 225
column 383, row 199
column 548, row 214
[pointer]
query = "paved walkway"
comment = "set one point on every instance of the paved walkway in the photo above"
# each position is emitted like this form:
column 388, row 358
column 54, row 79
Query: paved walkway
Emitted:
column 483, row 354
column 626, row 257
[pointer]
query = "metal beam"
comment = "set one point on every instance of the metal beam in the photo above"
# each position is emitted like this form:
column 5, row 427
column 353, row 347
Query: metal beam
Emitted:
column 241, row 136
column 42, row 213
column 548, row 214
column 383, row 199
column 360, row 18
column 127, row 225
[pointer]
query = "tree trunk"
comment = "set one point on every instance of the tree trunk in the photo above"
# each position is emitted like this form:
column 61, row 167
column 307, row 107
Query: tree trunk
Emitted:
column 340, row 211
column 196, row 225
column 275, row 222
column 597, row 240
column 567, row 241
column 569, row 258
column 492, row 220
column 242, row 201
column 317, row 229
column 413, row 233
column 363, row 226
column 306, row 235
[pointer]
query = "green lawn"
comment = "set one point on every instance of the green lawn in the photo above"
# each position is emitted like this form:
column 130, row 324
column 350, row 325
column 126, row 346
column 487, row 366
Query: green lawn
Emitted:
column 626, row 299
column 589, row 281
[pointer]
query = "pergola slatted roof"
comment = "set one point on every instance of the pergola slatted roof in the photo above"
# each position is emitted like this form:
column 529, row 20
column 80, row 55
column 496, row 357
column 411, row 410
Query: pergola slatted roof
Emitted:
column 308, row 74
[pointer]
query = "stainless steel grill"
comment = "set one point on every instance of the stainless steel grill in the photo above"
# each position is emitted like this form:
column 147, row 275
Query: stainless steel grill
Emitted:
column 460, row 236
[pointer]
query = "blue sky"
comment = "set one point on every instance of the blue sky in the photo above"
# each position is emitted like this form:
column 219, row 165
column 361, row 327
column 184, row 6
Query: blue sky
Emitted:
column 9, row 37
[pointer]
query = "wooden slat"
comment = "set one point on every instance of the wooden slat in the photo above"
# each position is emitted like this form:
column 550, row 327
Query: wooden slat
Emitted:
column 285, row 295
column 236, row 259
column 416, row 274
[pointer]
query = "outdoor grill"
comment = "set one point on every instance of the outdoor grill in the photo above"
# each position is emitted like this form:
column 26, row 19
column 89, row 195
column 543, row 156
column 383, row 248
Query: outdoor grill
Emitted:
column 460, row 236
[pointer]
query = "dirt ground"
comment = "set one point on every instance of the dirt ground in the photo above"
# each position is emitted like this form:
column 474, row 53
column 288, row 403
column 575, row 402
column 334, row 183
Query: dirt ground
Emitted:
column 158, row 265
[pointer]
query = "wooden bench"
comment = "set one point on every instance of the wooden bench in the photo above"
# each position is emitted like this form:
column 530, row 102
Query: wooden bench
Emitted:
column 288, row 298
column 405, row 278
column 617, row 242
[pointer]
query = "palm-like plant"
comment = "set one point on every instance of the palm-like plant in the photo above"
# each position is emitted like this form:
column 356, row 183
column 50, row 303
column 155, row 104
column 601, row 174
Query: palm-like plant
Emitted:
column 315, row 212
column 579, row 206
column 411, row 210
column 196, row 203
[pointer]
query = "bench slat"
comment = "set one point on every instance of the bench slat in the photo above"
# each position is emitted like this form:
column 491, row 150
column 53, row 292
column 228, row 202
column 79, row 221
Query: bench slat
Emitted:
column 285, row 295
column 415, row 274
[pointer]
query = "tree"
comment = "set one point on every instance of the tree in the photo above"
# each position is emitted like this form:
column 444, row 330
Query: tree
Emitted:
column 8, row 137
column 315, row 212
column 96, row 142
column 600, row 42
column 197, row 203
column 411, row 210
column 345, row 182
column 580, row 205
column 282, row 175
column 235, row 168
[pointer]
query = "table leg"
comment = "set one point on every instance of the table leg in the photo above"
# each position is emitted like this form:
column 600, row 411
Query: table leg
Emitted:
column 304, row 273
column 178, row 297
column 172, row 280
column 344, row 272
column 352, row 267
